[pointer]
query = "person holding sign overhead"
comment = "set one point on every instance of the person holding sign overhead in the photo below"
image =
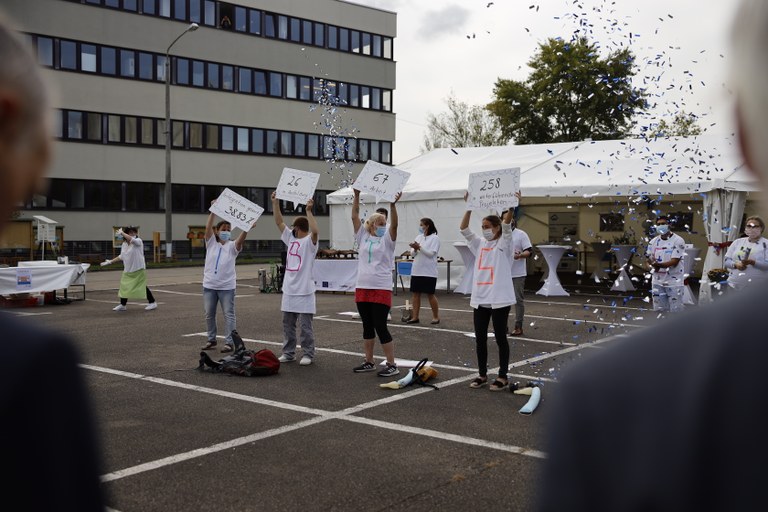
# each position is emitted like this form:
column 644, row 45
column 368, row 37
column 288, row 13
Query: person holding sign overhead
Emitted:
column 492, row 296
column 298, row 301
column 373, row 291
column 220, row 279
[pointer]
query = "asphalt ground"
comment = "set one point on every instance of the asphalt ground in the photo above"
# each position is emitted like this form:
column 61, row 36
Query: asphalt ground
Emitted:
column 321, row 437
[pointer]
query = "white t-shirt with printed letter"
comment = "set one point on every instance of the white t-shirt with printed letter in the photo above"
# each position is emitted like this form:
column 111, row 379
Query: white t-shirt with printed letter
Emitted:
column 219, row 272
column 298, row 283
column 662, row 251
column 491, row 286
column 375, row 258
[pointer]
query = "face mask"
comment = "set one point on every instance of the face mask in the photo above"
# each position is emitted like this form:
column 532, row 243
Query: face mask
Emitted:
column 488, row 234
column 381, row 231
column 662, row 229
column 752, row 232
column 421, row 230
column 225, row 235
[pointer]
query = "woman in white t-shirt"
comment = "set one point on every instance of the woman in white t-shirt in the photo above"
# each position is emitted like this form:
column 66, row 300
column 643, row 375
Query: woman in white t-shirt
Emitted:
column 747, row 257
column 492, row 296
column 220, row 279
column 373, row 291
column 298, row 302
column 424, row 270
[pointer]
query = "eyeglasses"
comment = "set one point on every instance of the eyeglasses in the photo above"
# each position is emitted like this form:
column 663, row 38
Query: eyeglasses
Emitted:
column 753, row 226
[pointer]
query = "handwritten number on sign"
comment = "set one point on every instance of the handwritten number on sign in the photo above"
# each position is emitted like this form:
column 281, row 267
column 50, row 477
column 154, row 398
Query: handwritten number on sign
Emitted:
column 242, row 216
column 294, row 181
column 490, row 184
column 384, row 177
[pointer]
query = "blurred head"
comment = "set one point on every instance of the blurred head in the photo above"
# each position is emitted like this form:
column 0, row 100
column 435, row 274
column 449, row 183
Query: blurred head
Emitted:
column 384, row 212
column 300, row 227
column 754, row 227
column 375, row 221
column 427, row 226
column 25, row 138
column 131, row 230
column 748, row 78
column 491, row 227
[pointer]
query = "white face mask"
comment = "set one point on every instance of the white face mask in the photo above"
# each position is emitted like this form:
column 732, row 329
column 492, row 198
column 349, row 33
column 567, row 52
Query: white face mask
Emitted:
column 421, row 230
column 225, row 235
column 752, row 232
column 662, row 229
column 488, row 234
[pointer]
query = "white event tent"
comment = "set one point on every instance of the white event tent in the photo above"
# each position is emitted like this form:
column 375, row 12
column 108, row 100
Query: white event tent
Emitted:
column 705, row 167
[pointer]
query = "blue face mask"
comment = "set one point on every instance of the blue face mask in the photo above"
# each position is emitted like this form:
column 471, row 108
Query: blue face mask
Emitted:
column 662, row 229
column 381, row 231
column 421, row 230
column 225, row 235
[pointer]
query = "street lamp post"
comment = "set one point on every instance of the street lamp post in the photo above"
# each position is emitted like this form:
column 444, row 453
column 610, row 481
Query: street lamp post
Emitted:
column 168, row 136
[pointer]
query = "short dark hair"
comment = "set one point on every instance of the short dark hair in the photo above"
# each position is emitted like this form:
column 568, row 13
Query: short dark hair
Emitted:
column 302, row 223
column 221, row 223
column 662, row 217
column 130, row 230
column 383, row 211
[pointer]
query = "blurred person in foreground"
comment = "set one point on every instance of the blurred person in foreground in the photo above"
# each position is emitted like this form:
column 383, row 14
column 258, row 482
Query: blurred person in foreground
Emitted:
column 50, row 457
column 674, row 417
column 747, row 257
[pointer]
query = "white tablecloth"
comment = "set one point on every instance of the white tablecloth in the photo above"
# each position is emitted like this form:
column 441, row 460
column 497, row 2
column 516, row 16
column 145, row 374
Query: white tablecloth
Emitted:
column 335, row 275
column 552, row 255
column 35, row 277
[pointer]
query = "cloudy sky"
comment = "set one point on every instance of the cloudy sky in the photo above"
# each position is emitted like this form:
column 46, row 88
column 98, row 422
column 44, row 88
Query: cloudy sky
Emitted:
column 445, row 46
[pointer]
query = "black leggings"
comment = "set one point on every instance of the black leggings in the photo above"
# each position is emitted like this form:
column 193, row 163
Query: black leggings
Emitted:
column 150, row 298
column 374, row 317
column 499, row 317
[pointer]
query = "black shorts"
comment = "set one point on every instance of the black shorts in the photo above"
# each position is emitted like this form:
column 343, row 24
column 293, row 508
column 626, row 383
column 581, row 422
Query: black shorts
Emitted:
column 423, row 284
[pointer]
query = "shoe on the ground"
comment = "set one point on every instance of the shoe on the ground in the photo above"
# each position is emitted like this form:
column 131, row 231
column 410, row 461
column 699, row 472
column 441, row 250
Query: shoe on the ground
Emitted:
column 285, row 359
column 388, row 371
column 365, row 367
column 498, row 385
column 478, row 382
column 305, row 361
column 151, row 306
column 227, row 348
column 389, row 317
column 119, row 307
column 209, row 346
column 435, row 322
column 412, row 321
column 517, row 332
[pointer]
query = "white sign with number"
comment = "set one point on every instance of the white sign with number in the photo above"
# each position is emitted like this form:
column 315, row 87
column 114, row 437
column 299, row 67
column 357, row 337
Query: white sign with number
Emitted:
column 381, row 181
column 493, row 190
column 297, row 186
column 237, row 210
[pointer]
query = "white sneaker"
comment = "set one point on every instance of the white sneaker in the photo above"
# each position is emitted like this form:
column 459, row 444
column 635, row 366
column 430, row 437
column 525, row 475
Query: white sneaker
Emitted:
column 285, row 359
column 151, row 306
column 389, row 317
column 119, row 307
column 305, row 361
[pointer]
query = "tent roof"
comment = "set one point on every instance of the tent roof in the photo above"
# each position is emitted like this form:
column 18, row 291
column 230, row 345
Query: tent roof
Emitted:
column 633, row 167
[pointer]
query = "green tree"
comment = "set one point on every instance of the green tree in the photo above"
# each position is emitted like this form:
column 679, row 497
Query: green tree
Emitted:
column 571, row 95
column 462, row 126
column 683, row 125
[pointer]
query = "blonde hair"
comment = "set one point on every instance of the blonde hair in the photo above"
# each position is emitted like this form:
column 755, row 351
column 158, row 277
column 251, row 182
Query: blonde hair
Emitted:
column 373, row 220
column 758, row 219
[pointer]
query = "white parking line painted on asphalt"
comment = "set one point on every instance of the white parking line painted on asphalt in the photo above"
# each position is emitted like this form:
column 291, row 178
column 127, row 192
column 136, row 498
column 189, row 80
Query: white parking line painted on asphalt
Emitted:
column 586, row 305
column 437, row 329
column 562, row 319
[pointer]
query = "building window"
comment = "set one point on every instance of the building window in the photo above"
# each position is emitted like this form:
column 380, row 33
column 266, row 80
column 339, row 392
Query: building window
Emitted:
column 291, row 86
column 304, row 88
column 366, row 43
column 227, row 78
column 198, row 73
column 352, row 149
column 272, row 147
column 254, row 21
column 344, row 39
column 244, row 80
column 213, row 76
column 376, row 50
column 145, row 66
column 275, row 84
column 88, row 58
column 240, row 19
column 211, row 137
column 343, row 92
column 375, row 98
column 319, row 34
column 68, row 55
column 365, row 97
column 257, row 140
column 355, row 35
column 333, row 37
column 306, row 35
column 74, row 125
column 362, row 153
column 299, row 144
column 260, row 82
column 387, row 43
column 131, row 135
column 165, row 8
column 127, row 63
column 286, row 145
column 269, row 25
column 113, row 129
column 142, row 197
column 147, row 131
column 195, row 15
column 180, row 10
column 45, row 51
column 108, row 64
column 93, row 126
column 195, row 135
column 295, row 34
column 210, row 13
column 182, row 71
column 160, row 68
column 611, row 222
column 227, row 138
column 386, row 152
column 313, row 146
column 386, row 100
column 354, row 95
column 282, row 27
column 178, row 134
column 242, row 139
